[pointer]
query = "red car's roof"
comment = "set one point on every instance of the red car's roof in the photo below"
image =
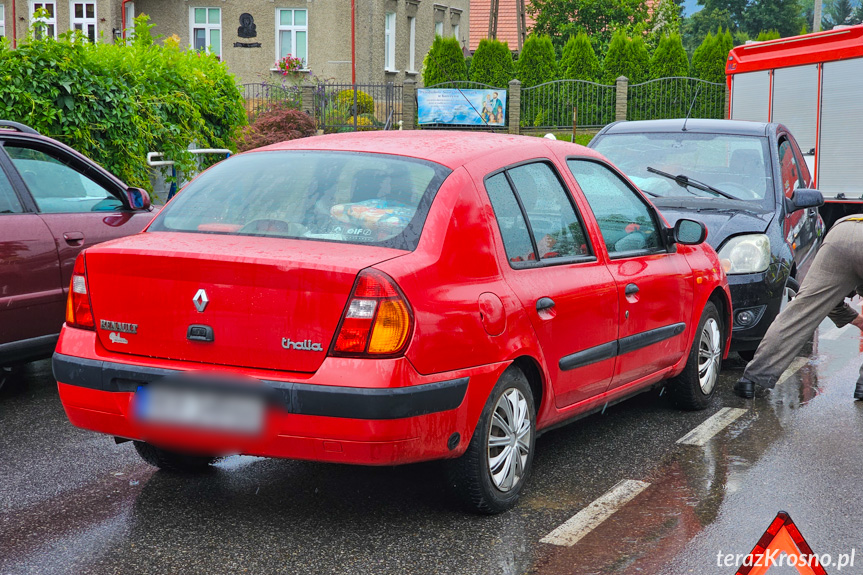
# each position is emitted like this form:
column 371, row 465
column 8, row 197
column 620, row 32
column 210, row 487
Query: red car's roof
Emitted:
column 449, row 148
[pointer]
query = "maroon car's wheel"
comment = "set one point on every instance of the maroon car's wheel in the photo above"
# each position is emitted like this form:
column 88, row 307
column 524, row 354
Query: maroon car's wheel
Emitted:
column 170, row 460
column 490, row 475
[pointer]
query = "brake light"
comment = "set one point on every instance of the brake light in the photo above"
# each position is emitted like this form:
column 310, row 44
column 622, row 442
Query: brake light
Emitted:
column 79, row 313
column 377, row 321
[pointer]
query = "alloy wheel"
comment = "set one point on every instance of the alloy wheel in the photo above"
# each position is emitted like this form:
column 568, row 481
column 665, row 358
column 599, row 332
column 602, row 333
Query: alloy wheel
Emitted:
column 509, row 439
column 709, row 355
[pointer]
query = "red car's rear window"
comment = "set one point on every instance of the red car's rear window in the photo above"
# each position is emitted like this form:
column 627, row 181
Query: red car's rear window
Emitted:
column 344, row 197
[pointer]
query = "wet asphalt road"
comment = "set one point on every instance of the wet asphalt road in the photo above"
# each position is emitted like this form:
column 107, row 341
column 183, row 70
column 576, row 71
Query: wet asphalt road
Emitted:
column 74, row 502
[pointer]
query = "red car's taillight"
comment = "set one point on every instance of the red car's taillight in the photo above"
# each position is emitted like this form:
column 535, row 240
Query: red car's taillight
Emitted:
column 78, row 311
column 377, row 320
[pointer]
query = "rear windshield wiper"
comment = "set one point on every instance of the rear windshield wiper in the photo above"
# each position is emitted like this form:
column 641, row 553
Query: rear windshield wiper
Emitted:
column 686, row 182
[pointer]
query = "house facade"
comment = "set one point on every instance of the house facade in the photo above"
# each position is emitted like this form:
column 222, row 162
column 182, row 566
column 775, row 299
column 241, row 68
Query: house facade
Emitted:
column 97, row 19
column 391, row 36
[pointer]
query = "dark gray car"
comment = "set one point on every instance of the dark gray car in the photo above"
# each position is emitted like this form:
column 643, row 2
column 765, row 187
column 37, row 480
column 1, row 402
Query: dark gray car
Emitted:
column 749, row 184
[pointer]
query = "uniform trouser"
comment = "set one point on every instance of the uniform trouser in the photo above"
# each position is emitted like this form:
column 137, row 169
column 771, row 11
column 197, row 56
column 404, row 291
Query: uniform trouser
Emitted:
column 836, row 270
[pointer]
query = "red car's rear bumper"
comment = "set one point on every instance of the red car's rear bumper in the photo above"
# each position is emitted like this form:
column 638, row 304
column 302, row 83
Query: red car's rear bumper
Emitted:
column 372, row 412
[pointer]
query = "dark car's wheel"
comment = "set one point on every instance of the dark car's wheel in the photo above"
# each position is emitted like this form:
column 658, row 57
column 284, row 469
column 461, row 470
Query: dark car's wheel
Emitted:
column 694, row 387
column 490, row 475
column 170, row 460
column 11, row 377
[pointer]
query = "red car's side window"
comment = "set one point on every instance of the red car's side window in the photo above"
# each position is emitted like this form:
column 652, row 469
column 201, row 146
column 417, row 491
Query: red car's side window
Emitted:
column 9, row 203
column 535, row 215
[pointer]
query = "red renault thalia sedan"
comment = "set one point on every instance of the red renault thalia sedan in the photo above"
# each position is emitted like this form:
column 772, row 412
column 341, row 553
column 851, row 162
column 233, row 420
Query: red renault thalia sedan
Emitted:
column 387, row 298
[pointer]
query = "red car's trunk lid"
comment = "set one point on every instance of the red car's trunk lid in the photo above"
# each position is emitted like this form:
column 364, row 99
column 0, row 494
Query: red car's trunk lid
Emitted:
column 271, row 303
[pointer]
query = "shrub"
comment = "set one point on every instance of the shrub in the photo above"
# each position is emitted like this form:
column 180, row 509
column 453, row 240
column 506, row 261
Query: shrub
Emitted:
column 444, row 62
column 536, row 63
column 710, row 58
column 492, row 63
column 670, row 59
column 640, row 60
column 766, row 35
column 579, row 61
column 277, row 125
column 345, row 101
column 117, row 102
column 627, row 58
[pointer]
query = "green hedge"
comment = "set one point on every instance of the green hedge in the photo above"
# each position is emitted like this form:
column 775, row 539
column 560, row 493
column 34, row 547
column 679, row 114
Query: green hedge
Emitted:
column 537, row 63
column 578, row 60
column 444, row 62
column 492, row 63
column 117, row 102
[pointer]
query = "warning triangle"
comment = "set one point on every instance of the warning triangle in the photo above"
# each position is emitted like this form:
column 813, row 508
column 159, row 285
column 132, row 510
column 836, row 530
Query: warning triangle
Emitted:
column 782, row 538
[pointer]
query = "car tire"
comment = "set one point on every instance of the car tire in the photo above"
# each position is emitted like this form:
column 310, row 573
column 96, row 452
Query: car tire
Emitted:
column 696, row 385
column 472, row 476
column 170, row 460
column 11, row 377
column 746, row 354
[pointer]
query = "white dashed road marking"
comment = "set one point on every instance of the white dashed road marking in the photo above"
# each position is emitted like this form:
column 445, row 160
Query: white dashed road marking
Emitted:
column 589, row 518
column 711, row 426
column 792, row 369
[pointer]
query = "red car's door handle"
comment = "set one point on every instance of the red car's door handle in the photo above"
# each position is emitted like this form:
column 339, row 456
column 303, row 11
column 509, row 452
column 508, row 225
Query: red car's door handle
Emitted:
column 631, row 289
column 73, row 238
column 544, row 303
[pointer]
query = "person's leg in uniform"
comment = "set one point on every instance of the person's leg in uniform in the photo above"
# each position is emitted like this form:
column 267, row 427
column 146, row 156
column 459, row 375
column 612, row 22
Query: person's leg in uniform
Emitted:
column 836, row 270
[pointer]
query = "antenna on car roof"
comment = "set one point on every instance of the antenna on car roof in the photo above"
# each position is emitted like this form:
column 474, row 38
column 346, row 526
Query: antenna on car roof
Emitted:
column 692, row 105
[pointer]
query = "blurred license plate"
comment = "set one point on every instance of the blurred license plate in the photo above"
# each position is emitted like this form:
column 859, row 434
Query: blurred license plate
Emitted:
column 214, row 409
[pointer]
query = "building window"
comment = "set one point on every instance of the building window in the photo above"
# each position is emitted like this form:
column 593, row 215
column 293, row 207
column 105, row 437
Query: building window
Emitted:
column 455, row 31
column 390, row 42
column 48, row 19
column 438, row 28
column 207, row 30
column 2, row 20
column 292, row 35
column 129, row 32
column 83, row 18
column 412, row 49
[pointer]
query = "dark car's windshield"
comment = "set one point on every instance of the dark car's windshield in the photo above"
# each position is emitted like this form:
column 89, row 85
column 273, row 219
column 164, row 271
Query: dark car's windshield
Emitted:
column 736, row 165
column 335, row 196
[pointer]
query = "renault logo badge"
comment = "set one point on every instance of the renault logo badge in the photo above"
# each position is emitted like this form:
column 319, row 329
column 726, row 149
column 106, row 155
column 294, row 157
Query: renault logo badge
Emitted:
column 201, row 300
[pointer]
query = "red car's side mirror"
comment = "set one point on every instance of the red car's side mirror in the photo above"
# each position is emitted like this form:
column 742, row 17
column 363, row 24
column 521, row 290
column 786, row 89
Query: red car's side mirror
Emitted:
column 139, row 199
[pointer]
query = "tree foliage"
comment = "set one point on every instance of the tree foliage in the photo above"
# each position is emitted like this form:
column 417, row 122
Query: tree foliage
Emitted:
column 669, row 60
column 444, row 62
column 117, row 102
column 492, row 63
column 579, row 61
column 627, row 58
column 537, row 62
column 277, row 125
column 839, row 12
column 599, row 19
column 709, row 59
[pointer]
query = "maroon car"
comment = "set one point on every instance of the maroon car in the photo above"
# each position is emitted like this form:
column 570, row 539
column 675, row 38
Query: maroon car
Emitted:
column 54, row 202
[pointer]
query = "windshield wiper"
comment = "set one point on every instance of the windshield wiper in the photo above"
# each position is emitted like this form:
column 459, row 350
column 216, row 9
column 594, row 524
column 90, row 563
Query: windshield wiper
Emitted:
column 686, row 182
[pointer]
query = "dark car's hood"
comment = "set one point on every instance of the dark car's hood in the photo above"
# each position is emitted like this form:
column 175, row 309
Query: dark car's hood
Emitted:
column 723, row 218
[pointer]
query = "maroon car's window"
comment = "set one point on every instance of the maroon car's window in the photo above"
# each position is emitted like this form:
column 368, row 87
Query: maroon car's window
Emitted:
column 9, row 203
column 343, row 197
column 625, row 221
column 57, row 187
column 551, row 231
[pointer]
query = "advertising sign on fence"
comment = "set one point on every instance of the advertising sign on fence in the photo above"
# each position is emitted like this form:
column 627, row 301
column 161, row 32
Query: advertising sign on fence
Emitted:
column 461, row 107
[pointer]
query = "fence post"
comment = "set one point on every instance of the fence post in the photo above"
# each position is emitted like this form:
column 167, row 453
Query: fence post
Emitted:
column 514, row 98
column 620, row 104
column 309, row 100
column 409, row 104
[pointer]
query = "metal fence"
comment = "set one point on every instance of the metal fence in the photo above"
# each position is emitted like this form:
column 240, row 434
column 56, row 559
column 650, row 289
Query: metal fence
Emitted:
column 261, row 97
column 673, row 97
column 551, row 105
column 468, row 85
column 352, row 107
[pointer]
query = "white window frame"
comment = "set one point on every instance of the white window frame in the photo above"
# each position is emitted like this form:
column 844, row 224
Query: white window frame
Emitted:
column 412, row 46
column 438, row 28
column 293, row 29
column 3, row 19
column 84, row 21
column 455, row 32
column 390, row 42
column 46, row 21
column 207, row 27
column 129, row 32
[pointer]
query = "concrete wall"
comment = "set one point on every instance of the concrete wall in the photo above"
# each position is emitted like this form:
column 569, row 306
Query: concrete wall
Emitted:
column 107, row 17
column 329, row 32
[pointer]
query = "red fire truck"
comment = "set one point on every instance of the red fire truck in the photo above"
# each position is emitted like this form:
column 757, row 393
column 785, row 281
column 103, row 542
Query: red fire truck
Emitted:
column 813, row 84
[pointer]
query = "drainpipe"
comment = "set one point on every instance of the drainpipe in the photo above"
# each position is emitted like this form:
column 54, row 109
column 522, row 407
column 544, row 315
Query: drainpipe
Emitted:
column 353, row 43
column 14, row 26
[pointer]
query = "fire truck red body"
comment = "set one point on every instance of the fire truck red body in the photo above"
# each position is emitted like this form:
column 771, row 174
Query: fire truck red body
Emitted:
column 813, row 84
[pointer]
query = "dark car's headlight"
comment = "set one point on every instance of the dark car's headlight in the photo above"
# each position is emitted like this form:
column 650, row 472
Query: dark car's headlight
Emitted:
column 747, row 254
